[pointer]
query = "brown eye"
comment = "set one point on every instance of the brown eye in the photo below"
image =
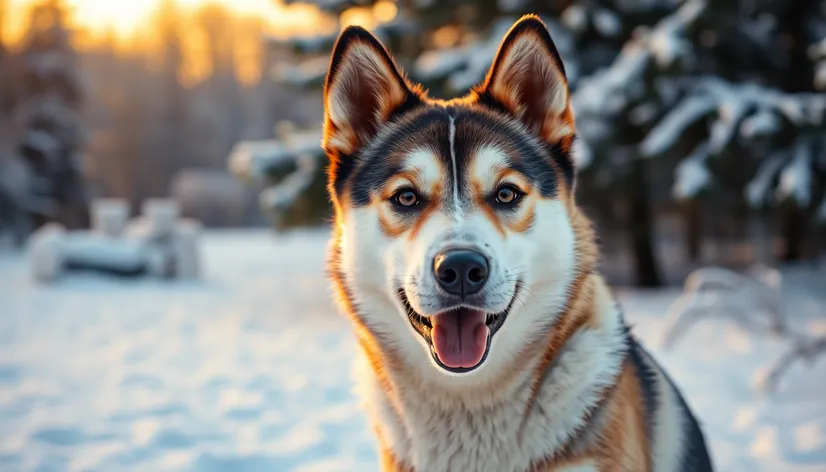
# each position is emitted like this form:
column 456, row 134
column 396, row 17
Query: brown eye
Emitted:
column 406, row 198
column 507, row 195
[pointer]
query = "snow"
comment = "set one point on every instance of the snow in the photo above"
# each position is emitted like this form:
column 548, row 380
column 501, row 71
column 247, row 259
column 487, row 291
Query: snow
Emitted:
column 249, row 370
column 796, row 178
column 286, row 192
column 253, row 160
column 757, row 191
column 750, row 111
column 607, row 23
column 692, row 176
column 729, row 115
column 98, row 250
column 762, row 123
column 669, row 130
column 667, row 42
column 257, row 161
column 817, row 52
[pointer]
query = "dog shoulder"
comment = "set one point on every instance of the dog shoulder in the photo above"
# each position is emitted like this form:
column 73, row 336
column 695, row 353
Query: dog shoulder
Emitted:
column 645, row 425
column 390, row 463
column 674, row 438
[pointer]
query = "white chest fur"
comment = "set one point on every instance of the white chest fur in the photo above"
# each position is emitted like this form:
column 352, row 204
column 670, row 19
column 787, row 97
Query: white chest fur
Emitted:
column 423, row 428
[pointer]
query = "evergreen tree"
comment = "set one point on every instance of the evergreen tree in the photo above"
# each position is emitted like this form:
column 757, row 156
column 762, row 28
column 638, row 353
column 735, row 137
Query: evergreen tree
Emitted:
column 50, row 100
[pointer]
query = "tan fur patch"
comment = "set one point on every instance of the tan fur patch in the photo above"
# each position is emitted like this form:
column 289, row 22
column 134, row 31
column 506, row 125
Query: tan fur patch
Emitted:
column 526, row 222
column 389, row 463
column 481, row 203
column 428, row 211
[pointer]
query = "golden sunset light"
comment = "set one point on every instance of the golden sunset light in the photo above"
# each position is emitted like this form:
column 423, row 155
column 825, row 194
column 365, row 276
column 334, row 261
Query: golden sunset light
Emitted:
column 132, row 25
column 126, row 18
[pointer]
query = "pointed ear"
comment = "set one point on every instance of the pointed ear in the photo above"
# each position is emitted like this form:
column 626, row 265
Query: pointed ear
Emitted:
column 362, row 91
column 527, row 79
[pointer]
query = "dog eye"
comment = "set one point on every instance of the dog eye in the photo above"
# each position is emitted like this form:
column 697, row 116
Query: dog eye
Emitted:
column 507, row 194
column 405, row 198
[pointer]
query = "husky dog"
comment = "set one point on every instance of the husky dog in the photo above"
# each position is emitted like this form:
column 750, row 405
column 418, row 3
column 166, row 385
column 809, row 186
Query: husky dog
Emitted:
column 489, row 342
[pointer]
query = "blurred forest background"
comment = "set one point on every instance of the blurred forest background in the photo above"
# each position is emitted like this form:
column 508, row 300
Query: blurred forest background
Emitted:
column 702, row 123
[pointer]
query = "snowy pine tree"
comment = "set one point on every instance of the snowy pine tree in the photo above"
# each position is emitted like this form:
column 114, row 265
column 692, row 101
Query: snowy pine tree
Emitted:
column 52, row 134
column 707, row 89
column 13, row 190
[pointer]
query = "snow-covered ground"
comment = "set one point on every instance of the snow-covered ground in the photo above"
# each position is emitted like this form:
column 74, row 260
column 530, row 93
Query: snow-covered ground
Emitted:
column 249, row 370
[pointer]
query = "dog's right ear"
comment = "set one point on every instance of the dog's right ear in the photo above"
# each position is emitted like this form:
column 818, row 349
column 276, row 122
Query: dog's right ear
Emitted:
column 362, row 91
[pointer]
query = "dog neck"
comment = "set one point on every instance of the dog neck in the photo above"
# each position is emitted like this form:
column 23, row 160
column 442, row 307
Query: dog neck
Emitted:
column 526, row 415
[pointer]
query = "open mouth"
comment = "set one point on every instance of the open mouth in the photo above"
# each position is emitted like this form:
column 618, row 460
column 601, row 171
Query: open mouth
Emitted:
column 459, row 338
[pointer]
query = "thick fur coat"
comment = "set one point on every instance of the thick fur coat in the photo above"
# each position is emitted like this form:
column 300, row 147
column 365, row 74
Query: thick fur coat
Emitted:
column 489, row 342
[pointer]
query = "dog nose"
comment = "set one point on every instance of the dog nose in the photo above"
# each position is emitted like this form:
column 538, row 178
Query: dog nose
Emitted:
column 461, row 271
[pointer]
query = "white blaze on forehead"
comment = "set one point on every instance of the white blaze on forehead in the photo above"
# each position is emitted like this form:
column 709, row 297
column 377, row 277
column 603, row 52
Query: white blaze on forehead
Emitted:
column 426, row 165
column 456, row 202
column 486, row 165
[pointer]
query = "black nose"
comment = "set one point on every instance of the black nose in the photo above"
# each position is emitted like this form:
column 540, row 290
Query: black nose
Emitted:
column 461, row 271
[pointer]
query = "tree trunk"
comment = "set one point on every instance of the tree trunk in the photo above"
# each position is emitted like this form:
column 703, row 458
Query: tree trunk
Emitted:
column 693, row 221
column 793, row 219
column 793, row 227
column 642, row 228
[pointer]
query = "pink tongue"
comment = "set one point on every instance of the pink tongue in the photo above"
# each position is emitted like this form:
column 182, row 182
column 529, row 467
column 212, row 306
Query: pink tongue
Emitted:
column 460, row 337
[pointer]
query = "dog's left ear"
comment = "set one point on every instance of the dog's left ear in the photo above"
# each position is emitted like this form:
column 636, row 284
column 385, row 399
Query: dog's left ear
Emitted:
column 527, row 79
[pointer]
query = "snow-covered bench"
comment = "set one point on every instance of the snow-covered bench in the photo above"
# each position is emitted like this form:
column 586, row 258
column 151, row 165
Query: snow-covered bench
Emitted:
column 158, row 243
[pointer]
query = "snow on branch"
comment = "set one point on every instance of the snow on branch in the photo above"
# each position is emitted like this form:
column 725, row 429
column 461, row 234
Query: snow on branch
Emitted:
column 817, row 52
column 745, row 114
column 742, row 110
column 256, row 160
column 796, row 178
column 692, row 175
column 666, row 134
column 760, row 185
column 627, row 90
column 286, row 165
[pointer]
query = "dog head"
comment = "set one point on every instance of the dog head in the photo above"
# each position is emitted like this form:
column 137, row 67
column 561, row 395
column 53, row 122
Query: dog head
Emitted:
column 457, row 239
